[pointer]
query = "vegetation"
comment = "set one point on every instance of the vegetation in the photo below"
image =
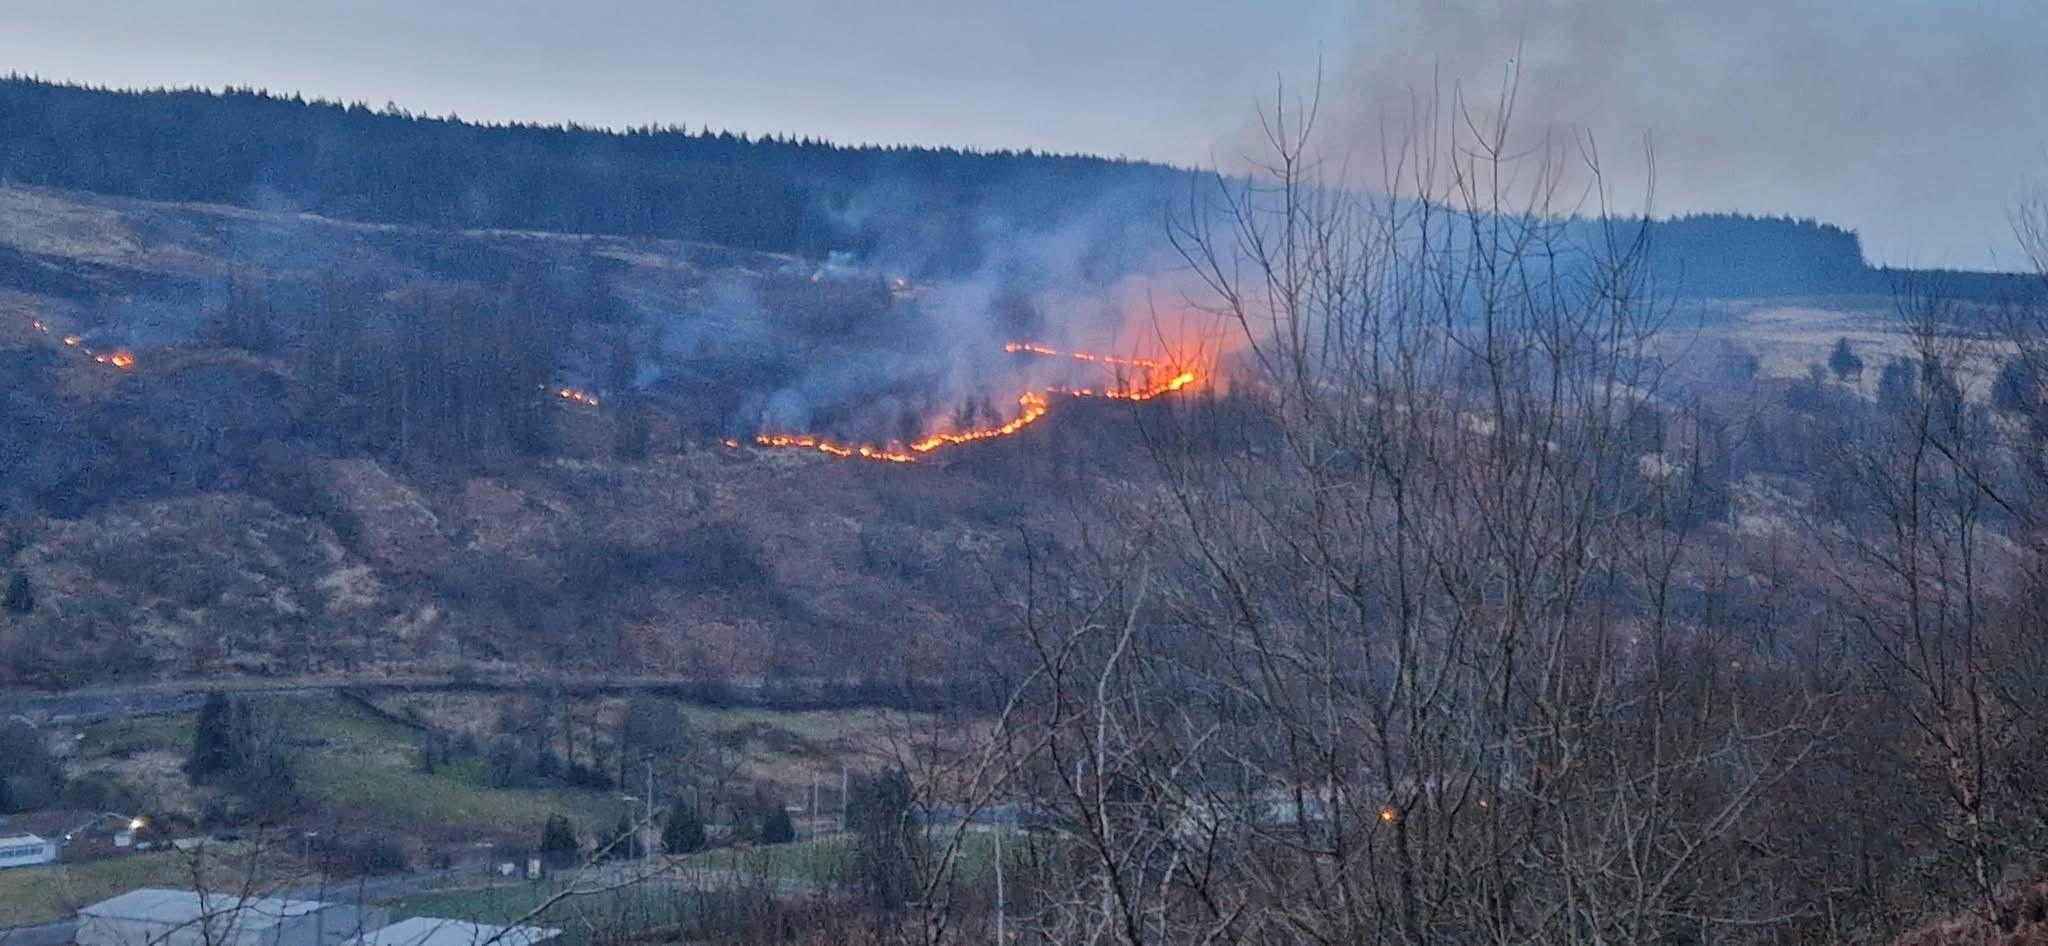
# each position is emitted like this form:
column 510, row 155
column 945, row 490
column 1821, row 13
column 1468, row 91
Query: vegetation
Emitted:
column 558, row 845
column 1844, row 361
column 237, row 744
column 21, row 594
column 30, row 777
column 683, row 830
column 776, row 828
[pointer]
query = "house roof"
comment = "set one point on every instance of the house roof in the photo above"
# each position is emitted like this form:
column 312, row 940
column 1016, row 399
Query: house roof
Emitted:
column 9, row 840
column 185, row 906
column 429, row 931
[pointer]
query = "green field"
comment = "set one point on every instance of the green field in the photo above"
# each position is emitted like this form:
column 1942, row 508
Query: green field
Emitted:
column 366, row 766
column 353, row 763
column 580, row 912
column 37, row 894
column 363, row 769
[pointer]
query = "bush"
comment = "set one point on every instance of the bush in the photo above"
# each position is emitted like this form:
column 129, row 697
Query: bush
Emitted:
column 776, row 828
column 363, row 855
column 587, row 777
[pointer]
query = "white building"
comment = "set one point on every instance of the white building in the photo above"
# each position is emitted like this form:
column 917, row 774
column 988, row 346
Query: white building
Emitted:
column 26, row 850
column 428, row 931
column 155, row 917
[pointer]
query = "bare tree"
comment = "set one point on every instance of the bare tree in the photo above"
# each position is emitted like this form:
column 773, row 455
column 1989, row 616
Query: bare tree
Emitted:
column 1401, row 657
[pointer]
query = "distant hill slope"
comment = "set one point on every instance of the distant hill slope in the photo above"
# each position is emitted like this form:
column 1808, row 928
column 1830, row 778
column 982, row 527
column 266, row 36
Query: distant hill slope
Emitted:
column 349, row 161
column 929, row 211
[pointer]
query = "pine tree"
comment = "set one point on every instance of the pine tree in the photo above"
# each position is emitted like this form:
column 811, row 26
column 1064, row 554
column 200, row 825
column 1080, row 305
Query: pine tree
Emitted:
column 214, row 749
column 620, row 846
column 776, row 828
column 1844, row 361
column 558, row 844
column 684, row 830
column 21, row 595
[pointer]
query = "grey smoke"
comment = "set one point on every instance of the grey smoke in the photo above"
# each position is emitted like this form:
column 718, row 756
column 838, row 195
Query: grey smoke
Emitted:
column 1916, row 122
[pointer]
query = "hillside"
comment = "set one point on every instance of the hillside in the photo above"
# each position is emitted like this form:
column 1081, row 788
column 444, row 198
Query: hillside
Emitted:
column 212, row 510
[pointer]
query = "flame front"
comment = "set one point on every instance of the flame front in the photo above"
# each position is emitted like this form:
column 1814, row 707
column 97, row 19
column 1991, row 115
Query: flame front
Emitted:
column 1032, row 405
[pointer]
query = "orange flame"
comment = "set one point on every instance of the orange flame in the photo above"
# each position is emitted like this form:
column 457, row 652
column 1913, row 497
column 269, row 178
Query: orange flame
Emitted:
column 122, row 359
column 1027, row 348
column 1032, row 406
column 574, row 395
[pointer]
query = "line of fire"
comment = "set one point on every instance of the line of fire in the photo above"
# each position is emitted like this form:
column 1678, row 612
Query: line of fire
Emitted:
column 1032, row 406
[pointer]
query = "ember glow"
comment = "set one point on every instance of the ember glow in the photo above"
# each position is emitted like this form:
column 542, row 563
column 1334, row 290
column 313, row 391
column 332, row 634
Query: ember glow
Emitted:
column 1026, row 348
column 119, row 358
column 1032, row 405
column 577, row 396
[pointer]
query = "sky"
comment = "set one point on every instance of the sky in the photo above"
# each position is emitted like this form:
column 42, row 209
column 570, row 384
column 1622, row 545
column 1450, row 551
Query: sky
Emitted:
column 1918, row 123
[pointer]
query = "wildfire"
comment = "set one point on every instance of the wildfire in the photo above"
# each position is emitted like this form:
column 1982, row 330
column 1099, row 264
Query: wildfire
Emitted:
column 1032, row 405
column 1026, row 348
column 121, row 358
column 577, row 396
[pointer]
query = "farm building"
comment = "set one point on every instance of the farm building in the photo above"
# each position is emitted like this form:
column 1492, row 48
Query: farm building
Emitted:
column 24, row 850
column 428, row 931
column 155, row 917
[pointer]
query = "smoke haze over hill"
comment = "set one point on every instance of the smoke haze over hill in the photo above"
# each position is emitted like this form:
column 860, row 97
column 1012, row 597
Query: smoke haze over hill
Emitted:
column 1914, row 123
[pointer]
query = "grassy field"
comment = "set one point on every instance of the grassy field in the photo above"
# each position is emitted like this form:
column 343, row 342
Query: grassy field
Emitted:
column 355, row 764
column 363, row 769
column 362, row 765
column 37, row 894
column 580, row 914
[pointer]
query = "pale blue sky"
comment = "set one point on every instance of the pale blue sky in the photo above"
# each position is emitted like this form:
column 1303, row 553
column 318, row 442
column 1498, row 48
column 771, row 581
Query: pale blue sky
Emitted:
column 1917, row 122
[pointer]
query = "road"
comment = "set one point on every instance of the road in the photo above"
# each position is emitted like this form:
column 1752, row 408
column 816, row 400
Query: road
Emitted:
column 364, row 890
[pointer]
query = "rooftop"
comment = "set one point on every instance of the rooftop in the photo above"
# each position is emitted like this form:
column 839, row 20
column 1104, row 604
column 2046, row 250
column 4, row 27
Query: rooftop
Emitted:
column 428, row 931
column 186, row 906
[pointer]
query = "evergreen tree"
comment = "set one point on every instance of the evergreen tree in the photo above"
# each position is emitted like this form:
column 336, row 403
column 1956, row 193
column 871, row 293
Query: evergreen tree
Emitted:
column 558, row 845
column 214, row 751
column 684, row 830
column 879, row 814
column 1898, row 385
column 776, row 828
column 1844, row 361
column 21, row 595
column 621, row 844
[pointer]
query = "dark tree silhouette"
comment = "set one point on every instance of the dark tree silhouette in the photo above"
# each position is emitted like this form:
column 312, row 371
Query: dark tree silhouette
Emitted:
column 214, row 752
column 776, row 828
column 1844, row 361
column 683, row 832
column 558, row 845
column 21, row 594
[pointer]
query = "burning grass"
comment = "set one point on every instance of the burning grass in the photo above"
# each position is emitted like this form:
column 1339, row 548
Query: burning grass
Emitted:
column 1032, row 406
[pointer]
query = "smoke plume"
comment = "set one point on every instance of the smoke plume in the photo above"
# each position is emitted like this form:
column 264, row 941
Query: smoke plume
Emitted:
column 1915, row 122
